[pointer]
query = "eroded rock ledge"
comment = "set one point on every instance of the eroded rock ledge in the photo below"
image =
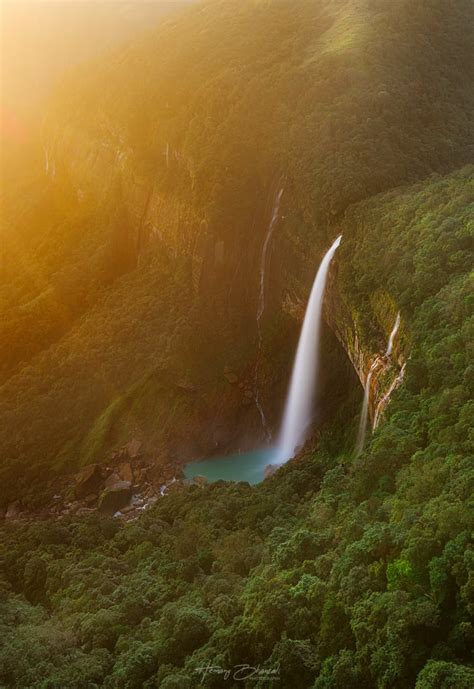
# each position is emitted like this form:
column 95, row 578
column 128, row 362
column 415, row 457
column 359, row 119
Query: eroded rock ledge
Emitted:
column 367, row 350
column 370, row 351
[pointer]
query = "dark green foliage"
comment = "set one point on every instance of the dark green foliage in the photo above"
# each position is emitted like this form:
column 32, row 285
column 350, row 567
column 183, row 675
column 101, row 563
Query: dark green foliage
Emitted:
column 341, row 574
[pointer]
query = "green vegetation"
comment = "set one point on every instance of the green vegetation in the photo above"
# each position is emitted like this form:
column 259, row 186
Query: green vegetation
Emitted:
column 339, row 573
column 172, row 148
column 357, row 578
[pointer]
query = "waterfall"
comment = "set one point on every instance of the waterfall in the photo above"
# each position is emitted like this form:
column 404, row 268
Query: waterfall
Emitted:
column 365, row 410
column 263, row 260
column 304, row 378
column 261, row 303
column 392, row 335
column 365, row 405
column 385, row 399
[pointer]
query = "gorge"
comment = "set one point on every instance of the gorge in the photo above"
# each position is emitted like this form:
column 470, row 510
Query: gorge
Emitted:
column 160, row 236
column 304, row 384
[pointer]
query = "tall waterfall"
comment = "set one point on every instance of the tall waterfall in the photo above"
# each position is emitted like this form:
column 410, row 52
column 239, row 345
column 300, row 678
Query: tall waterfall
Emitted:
column 261, row 303
column 299, row 403
column 392, row 335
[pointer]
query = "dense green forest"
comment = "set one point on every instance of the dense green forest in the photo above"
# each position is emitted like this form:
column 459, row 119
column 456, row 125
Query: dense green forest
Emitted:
column 338, row 571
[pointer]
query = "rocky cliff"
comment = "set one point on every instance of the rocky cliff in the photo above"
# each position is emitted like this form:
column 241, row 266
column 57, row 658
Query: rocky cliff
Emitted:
column 220, row 268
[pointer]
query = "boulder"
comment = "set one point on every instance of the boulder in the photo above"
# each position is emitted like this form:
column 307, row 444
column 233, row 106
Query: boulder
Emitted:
column 112, row 479
column 154, row 475
column 115, row 497
column 149, row 492
column 200, row 480
column 231, row 378
column 125, row 471
column 88, row 480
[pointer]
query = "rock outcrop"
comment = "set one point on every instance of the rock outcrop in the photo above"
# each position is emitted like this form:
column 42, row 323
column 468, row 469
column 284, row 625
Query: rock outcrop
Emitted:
column 368, row 352
column 88, row 480
column 115, row 497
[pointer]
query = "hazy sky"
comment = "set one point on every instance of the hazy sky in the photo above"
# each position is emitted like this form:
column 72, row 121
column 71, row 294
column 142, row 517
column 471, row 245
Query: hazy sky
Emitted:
column 40, row 39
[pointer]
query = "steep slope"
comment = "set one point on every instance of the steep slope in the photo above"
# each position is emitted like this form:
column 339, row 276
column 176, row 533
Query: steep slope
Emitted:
column 326, row 575
column 131, row 253
column 150, row 195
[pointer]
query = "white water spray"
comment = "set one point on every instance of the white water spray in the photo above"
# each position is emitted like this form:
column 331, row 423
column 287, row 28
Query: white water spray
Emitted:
column 365, row 405
column 385, row 399
column 392, row 335
column 304, row 378
column 364, row 415
column 261, row 303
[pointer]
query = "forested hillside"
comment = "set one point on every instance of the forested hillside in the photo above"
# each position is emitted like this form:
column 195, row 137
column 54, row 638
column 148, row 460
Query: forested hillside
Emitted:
column 147, row 200
column 132, row 244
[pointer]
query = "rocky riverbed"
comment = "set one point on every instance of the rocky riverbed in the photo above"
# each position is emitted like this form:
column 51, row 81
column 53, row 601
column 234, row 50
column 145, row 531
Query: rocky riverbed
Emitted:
column 129, row 482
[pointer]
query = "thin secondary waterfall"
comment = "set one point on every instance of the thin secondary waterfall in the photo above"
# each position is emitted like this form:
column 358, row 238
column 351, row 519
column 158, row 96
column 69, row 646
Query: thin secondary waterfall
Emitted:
column 261, row 303
column 392, row 335
column 385, row 399
column 365, row 405
column 299, row 403
column 364, row 415
column 263, row 260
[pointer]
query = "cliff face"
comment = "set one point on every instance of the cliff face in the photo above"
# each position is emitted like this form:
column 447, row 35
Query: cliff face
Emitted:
column 159, row 210
column 187, row 136
column 103, row 168
column 222, row 270
column 365, row 338
column 136, row 280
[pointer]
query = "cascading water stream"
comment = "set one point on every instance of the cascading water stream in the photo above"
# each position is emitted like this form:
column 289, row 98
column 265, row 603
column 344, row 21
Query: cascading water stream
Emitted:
column 261, row 304
column 365, row 405
column 263, row 260
column 299, row 404
column 392, row 335
column 365, row 410
column 385, row 399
